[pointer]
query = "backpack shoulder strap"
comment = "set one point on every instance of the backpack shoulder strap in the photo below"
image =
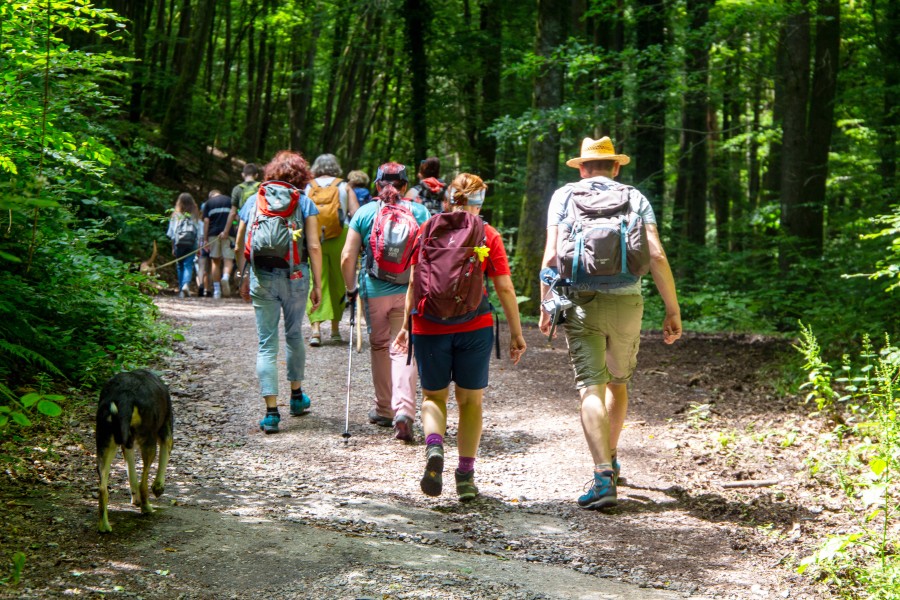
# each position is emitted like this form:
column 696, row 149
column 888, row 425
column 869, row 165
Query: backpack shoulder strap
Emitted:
column 314, row 183
column 335, row 181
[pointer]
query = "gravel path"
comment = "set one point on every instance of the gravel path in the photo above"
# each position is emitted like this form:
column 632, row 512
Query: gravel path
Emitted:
column 302, row 514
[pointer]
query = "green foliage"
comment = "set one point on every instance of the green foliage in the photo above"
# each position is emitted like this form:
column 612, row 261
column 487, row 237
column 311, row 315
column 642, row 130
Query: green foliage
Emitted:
column 889, row 265
column 16, row 566
column 69, row 312
column 862, row 459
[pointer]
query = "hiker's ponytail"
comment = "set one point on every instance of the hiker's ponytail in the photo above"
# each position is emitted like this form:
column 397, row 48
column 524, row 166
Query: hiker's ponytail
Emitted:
column 388, row 193
column 466, row 190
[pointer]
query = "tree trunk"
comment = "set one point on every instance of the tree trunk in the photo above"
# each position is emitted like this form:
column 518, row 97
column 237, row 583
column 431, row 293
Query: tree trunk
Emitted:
column 303, row 78
column 543, row 153
column 492, row 36
column 650, row 121
column 691, row 187
column 794, row 139
column 417, row 14
column 140, row 17
column 821, row 125
column 178, row 110
column 890, row 126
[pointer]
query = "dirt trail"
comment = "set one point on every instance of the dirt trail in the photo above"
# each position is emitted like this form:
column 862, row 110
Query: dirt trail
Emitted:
column 301, row 514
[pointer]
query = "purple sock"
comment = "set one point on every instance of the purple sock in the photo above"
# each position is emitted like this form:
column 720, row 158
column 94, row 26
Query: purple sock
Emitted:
column 466, row 464
column 434, row 438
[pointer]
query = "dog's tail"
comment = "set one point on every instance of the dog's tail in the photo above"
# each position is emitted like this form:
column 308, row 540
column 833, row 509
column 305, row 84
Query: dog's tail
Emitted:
column 153, row 254
column 118, row 415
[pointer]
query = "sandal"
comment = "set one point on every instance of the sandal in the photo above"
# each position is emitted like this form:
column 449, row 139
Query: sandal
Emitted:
column 315, row 341
column 336, row 337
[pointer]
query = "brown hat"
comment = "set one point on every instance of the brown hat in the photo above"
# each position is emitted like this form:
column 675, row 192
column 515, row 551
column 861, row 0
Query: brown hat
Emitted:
column 601, row 149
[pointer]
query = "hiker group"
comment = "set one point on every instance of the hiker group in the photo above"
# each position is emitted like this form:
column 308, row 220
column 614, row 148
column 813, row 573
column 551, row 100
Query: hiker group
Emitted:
column 421, row 261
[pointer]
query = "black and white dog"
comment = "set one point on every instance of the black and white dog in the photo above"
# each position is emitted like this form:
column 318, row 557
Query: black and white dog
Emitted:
column 135, row 408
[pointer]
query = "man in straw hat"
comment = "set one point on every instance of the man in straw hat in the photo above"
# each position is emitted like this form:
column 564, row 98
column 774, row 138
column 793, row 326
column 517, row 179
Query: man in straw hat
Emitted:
column 603, row 326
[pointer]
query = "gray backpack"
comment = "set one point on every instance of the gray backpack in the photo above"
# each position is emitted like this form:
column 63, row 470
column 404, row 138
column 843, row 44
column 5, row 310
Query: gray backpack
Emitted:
column 273, row 223
column 602, row 242
column 185, row 236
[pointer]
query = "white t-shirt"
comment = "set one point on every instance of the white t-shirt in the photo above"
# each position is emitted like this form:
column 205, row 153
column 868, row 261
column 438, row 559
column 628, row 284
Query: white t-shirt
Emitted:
column 559, row 205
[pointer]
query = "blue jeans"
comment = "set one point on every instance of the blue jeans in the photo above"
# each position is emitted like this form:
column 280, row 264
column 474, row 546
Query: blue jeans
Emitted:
column 185, row 269
column 273, row 293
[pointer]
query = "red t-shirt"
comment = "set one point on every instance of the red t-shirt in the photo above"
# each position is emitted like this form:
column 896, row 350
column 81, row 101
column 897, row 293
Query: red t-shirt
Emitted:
column 496, row 264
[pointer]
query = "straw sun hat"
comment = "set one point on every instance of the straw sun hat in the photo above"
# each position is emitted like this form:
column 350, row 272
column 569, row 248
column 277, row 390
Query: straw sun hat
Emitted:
column 601, row 149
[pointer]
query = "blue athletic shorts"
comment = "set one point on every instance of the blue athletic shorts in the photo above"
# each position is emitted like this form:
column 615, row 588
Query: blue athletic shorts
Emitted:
column 463, row 358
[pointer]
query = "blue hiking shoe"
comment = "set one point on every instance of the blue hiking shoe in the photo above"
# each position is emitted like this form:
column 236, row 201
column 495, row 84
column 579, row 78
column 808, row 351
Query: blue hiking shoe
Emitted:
column 602, row 491
column 616, row 468
column 270, row 422
column 299, row 404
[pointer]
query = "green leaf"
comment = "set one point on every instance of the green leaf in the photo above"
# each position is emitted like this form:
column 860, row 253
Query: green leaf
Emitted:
column 178, row 337
column 30, row 399
column 3, row 420
column 877, row 466
column 21, row 419
column 51, row 409
column 54, row 397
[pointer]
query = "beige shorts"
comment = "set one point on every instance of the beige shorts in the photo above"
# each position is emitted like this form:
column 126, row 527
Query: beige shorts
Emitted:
column 219, row 248
column 603, row 332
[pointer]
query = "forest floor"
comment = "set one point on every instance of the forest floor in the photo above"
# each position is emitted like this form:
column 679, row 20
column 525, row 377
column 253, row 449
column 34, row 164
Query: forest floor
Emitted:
column 301, row 514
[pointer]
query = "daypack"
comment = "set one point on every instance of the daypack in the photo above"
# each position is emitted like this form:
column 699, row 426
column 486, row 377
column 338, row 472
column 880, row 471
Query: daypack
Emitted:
column 392, row 242
column 363, row 195
column 449, row 282
column 186, row 234
column 431, row 193
column 273, row 224
column 602, row 242
column 248, row 188
column 328, row 201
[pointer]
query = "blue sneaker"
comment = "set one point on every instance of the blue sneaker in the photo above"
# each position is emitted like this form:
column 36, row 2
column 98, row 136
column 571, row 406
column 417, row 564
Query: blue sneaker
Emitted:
column 602, row 492
column 299, row 406
column 270, row 422
column 616, row 468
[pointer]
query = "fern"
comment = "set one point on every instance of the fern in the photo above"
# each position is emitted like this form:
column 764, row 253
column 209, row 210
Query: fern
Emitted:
column 30, row 356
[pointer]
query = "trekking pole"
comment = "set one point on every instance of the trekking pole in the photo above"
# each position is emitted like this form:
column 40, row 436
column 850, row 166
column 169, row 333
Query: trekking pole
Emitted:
column 346, row 434
column 359, row 310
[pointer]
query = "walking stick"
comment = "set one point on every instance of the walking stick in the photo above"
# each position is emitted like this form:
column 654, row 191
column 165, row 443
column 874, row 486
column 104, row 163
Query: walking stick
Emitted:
column 359, row 312
column 346, row 434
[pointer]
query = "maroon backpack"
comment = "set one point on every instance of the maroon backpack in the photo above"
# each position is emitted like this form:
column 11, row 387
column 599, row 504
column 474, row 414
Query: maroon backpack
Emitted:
column 449, row 282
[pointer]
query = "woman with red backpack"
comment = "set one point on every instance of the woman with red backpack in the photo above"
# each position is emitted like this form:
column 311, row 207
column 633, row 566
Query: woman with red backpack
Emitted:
column 452, row 325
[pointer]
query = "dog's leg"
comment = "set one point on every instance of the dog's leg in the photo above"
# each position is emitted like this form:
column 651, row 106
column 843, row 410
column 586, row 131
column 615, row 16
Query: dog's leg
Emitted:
column 104, row 461
column 148, row 453
column 165, row 448
column 132, row 476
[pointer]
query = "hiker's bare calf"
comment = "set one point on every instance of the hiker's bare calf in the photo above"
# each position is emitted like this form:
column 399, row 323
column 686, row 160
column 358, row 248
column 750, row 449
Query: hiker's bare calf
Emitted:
column 135, row 409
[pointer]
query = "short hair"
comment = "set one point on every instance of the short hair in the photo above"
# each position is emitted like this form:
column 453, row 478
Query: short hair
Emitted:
column 250, row 169
column 599, row 166
column 213, row 192
column 290, row 167
column 430, row 167
column 358, row 179
column 326, row 164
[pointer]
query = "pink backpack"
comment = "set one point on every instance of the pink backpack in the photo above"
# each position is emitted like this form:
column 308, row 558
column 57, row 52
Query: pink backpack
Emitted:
column 392, row 242
column 449, row 283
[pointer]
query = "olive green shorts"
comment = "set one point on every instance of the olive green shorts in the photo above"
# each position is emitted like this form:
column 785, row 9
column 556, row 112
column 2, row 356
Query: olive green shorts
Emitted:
column 603, row 332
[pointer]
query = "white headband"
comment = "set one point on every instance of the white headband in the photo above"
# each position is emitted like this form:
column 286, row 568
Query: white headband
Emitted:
column 473, row 199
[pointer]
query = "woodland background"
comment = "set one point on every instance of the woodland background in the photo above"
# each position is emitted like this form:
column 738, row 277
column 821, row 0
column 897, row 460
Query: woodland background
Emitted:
column 764, row 133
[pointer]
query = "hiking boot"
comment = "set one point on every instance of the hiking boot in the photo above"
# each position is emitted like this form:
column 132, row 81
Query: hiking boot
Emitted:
column 376, row 419
column 299, row 404
column 432, row 480
column 226, row 287
column 616, row 468
column 602, row 491
column 465, row 486
column 403, row 426
column 270, row 422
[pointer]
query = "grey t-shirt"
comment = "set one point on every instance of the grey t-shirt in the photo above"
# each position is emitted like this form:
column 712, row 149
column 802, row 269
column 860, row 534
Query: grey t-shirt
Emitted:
column 559, row 205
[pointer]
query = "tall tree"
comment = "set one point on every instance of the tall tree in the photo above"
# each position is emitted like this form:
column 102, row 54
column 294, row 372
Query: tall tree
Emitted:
column 650, row 120
column 543, row 150
column 888, row 35
column 691, row 187
column 418, row 19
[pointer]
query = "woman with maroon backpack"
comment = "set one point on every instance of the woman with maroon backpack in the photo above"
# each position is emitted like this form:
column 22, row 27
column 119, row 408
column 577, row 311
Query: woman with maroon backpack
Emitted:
column 452, row 325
